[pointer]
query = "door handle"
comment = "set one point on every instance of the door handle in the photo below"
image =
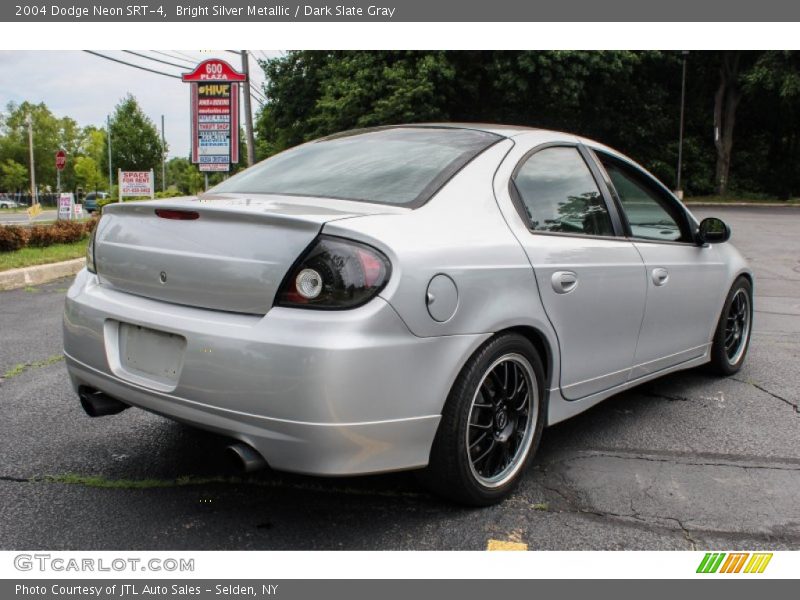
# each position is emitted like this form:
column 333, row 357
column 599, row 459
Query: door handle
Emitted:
column 660, row 276
column 564, row 281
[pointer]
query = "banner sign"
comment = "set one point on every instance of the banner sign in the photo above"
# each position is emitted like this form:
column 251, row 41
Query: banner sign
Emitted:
column 66, row 206
column 214, row 88
column 136, row 183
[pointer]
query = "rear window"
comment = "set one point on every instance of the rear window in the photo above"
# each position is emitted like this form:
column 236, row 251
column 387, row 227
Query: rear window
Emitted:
column 403, row 166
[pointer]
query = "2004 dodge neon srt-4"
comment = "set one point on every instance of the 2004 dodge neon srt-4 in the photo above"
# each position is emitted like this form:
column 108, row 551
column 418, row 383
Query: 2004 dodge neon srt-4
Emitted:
column 404, row 297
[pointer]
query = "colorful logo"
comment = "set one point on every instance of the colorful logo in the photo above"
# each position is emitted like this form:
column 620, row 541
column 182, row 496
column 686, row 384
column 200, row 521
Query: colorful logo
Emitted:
column 734, row 562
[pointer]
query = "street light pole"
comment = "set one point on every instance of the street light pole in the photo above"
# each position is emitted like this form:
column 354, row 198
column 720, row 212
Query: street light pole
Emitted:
column 34, row 196
column 678, row 189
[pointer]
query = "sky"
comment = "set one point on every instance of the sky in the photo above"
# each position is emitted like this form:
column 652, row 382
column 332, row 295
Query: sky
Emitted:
column 87, row 88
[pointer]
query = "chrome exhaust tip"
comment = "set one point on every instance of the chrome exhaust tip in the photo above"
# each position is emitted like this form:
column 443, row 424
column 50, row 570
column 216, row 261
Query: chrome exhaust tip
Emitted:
column 245, row 458
column 97, row 404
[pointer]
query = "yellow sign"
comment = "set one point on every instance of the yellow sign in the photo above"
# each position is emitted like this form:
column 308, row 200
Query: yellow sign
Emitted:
column 34, row 211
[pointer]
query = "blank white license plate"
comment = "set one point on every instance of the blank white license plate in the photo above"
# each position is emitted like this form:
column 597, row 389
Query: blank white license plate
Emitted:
column 151, row 353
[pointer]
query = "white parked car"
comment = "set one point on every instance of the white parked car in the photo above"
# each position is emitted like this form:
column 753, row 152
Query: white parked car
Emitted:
column 410, row 297
column 8, row 202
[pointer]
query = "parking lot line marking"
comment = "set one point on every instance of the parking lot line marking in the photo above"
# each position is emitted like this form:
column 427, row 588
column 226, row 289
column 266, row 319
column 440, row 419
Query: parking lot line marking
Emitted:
column 505, row 545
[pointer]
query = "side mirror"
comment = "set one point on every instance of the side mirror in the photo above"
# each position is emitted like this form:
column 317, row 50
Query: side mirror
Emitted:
column 712, row 231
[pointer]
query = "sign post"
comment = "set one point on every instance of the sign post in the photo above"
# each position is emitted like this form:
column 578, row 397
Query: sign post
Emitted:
column 136, row 184
column 61, row 162
column 66, row 206
column 214, row 98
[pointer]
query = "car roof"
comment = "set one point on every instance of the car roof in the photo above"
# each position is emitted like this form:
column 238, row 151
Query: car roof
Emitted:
column 496, row 128
column 499, row 129
column 542, row 136
column 507, row 131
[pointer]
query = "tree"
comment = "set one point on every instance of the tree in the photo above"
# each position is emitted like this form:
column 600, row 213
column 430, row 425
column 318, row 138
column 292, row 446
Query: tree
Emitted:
column 771, row 124
column 184, row 176
column 49, row 135
column 135, row 141
column 726, row 100
column 13, row 176
column 88, row 174
column 629, row 100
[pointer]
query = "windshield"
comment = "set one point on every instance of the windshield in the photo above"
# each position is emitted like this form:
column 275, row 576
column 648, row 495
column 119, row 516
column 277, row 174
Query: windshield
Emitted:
column 403, row 166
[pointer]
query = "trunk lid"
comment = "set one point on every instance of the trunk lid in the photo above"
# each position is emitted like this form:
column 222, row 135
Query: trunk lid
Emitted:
column 233, row 256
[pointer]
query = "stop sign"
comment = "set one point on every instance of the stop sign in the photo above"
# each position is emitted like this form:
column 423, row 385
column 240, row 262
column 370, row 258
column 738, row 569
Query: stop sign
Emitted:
column 61, row 160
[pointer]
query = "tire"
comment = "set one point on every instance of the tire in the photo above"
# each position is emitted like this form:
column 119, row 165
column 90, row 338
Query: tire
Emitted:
column 732, row 336
column 3, row 205
column 482, row 391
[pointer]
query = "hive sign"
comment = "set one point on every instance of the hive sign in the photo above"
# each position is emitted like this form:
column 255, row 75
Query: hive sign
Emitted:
column 215, row 114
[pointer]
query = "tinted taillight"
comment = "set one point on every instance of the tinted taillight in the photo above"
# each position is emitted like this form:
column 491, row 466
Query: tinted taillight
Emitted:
column 90, row 266
column 335, row 273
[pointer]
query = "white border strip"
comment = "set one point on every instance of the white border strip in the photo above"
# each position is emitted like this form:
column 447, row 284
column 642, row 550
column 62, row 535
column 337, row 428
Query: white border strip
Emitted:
column 448, row 36
column 386, row 565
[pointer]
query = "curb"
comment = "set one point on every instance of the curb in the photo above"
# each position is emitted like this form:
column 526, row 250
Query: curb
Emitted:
column 749, row 204
column 18, row 278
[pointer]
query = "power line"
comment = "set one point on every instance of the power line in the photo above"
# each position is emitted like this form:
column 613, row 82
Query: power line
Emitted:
column 158, row 60
column 253, row 89
column 122, row 62
column 186, row 56
column 260, row 95
column 262, row 99
column 254, row 94
column 168, row 55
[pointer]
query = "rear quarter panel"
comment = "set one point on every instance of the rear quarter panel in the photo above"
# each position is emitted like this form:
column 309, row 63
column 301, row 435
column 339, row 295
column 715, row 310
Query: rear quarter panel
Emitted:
column 461, row 233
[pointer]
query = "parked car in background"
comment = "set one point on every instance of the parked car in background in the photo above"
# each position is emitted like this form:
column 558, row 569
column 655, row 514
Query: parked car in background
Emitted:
column 7, row 202
column 90, row 200
column 409, row 297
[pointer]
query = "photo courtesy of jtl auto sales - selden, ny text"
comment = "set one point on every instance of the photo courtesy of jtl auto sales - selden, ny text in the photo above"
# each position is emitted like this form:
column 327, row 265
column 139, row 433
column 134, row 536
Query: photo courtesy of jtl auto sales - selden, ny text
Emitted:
column 399, row 299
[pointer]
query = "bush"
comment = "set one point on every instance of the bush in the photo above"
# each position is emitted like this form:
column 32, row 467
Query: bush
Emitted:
column 12, row 238
column 61, row 232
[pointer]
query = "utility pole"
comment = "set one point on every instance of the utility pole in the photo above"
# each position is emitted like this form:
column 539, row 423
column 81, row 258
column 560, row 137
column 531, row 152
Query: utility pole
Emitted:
column 34, row 196
column 678, row 189
column 110, row 173
column 248, row 113
column 163, row 158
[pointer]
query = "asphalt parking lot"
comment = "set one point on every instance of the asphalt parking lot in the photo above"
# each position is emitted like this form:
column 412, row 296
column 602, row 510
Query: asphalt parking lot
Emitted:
column 688, row 461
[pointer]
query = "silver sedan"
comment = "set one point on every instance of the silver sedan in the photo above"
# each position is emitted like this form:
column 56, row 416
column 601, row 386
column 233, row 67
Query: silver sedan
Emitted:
column 412, row 297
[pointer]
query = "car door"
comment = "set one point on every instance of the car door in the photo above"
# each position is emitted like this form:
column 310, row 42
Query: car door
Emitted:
column 591, row 279
column 683, row 279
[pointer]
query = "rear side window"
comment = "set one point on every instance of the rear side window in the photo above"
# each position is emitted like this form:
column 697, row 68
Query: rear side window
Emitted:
column 560, row 195
column 402, row 166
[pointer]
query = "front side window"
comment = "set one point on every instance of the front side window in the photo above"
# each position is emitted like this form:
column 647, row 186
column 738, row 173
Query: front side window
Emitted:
column 560, row 195
column 648, row 213
column 403, row 166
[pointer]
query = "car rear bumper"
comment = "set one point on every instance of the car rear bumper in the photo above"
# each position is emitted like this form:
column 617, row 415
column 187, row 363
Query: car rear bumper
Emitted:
column 318, row 392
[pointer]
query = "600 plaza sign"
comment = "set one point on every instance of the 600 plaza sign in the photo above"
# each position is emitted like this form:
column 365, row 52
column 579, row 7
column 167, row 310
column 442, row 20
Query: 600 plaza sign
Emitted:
column 215, row 114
